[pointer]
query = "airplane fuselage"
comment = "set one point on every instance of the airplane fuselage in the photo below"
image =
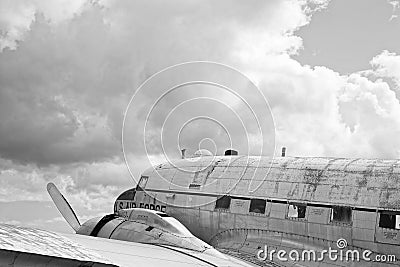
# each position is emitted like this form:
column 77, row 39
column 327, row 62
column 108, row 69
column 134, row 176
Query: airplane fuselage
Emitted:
column 240, row 204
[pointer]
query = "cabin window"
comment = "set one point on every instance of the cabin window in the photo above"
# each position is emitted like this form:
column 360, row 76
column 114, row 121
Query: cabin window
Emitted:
column 258, row 205
column 341, row 214
column 297, row 211
column 223, row 202
column 142, row 183
column 389, row 220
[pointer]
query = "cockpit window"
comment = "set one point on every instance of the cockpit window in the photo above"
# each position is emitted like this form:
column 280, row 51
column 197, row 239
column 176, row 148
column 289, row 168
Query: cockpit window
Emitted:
column 223, row 202
column 257, row 205
column 389, row 220
column 142, row 183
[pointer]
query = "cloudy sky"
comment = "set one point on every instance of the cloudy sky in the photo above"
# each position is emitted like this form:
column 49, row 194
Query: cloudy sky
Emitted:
column 330, row 71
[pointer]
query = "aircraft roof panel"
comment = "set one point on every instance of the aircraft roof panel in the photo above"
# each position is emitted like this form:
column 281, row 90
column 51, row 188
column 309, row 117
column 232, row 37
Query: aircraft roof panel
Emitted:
column 354, row 182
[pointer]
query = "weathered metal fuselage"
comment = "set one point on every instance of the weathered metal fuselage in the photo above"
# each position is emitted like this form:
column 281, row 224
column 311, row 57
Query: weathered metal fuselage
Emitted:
column 240, row 204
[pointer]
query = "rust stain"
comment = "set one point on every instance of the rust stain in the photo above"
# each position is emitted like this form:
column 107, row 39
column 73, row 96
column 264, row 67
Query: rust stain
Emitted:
column 363, row 181
column 294, row 190
column 312, row 177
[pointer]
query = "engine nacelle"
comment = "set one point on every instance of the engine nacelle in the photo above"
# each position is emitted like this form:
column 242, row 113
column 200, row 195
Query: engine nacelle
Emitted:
column 135, row 225
column 155, row 219
column 144, row 226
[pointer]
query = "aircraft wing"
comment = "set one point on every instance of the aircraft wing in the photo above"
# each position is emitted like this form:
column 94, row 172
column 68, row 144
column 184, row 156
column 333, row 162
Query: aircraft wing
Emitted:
column 21, row 246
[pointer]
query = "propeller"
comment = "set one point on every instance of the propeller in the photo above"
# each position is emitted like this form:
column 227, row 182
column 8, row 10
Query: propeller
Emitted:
column 63, row 206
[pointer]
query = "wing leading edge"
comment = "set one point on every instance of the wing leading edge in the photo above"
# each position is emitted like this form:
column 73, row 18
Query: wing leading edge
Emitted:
column 21, row 246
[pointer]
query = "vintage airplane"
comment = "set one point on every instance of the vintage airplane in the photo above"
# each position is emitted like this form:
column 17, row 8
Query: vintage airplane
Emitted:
column 239, row 204
column 228, row 210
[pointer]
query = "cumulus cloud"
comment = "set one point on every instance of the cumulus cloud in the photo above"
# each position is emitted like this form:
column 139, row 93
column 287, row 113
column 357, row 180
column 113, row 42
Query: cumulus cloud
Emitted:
column 395, row 5
column 17, row 16
column 63, row 91
column 321, row 112
column 387, row 65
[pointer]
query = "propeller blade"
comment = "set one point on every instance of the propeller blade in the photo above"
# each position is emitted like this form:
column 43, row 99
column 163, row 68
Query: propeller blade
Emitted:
column 63, row 206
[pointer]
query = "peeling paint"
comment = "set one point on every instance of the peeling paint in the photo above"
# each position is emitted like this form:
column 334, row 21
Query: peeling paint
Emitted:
column 353, row 182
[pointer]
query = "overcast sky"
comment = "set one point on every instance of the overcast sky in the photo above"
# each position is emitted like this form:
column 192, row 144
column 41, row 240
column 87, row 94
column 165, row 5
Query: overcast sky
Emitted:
column 330, row 71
